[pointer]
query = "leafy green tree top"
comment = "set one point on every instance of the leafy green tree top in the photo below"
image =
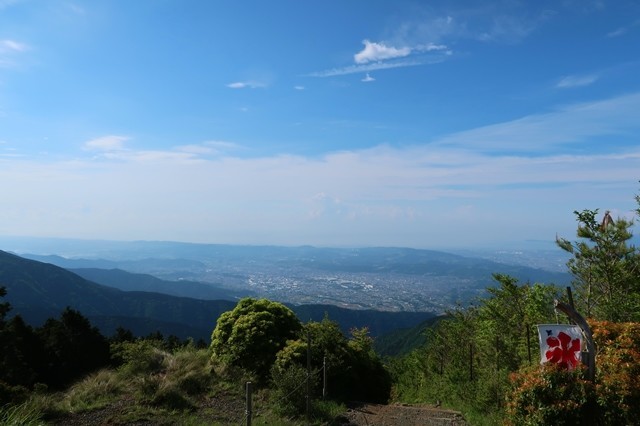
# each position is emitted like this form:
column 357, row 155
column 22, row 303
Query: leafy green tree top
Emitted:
column 250, row 335
column 605, row 267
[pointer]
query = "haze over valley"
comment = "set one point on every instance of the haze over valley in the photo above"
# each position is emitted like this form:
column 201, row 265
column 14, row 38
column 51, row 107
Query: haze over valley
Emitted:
column 386, row 279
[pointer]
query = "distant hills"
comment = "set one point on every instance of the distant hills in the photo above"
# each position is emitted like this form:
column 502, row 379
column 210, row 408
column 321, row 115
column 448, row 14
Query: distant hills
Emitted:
column 377, row 278
column 38, row 290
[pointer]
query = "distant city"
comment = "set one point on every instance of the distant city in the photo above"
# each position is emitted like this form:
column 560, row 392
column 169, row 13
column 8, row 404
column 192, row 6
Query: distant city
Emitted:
column 386, row 279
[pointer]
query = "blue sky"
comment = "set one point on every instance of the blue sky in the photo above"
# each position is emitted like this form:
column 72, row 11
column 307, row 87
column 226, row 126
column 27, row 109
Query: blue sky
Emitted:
column 336, row 123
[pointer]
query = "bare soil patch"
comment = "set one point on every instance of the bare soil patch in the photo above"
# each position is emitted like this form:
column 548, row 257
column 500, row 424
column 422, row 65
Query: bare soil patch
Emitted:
column 403, row 415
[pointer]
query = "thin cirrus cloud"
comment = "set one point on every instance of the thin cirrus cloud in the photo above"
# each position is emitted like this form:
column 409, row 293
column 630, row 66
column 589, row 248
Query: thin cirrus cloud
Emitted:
column 623, row 30
column 8, row 50
column 382, row 55
column 249, row 84
column 12, row 46
column 576, row 81
column 375, row 66
column 554, row 130
column 106, row 143
column 209, row 148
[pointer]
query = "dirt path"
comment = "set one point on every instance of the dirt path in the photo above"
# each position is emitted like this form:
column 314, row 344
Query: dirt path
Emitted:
column 356, row 415
column 403, row 415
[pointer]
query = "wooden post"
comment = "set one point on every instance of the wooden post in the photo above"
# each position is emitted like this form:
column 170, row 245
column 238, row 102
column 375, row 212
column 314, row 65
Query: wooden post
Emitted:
column 497, row 352
column 308, row 399
column 582, row 323
column 324, row 377
column 570, row 297
column 529, row 342
column 248, row 400
column 470, row 362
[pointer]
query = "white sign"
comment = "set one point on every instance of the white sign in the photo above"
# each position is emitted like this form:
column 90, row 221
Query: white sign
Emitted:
column 560, row 344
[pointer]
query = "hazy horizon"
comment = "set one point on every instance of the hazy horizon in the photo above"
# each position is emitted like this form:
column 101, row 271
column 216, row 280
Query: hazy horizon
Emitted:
column 334, row 124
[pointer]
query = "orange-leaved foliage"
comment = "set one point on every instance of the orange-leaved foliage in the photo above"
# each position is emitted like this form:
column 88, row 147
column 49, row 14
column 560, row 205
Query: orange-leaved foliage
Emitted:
column 547, row 394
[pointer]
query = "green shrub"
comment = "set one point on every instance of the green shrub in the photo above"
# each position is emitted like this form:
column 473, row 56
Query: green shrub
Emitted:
column 139, row 357
column 549, row 395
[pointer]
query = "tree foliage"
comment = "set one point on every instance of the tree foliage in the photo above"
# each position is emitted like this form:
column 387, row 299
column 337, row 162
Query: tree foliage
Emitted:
column 73, row 348
column 605, row 267
column 250, row 335
column 470, row 353
column 59, row 352
column 353, row 370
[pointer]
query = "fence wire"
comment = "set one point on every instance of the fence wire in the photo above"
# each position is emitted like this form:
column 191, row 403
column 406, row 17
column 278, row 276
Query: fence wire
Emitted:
column 256, row 412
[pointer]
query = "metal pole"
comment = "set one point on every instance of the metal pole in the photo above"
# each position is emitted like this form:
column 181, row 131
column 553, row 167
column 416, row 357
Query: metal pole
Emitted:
column 248, row 410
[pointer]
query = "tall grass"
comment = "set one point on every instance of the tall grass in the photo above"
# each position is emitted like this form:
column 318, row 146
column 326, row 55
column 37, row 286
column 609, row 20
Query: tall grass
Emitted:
column 23, row 414
column 95, row 391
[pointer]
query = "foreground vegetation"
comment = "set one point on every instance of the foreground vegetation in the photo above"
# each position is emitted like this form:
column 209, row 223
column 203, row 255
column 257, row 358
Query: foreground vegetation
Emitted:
column 484, row 359
column 481, row 359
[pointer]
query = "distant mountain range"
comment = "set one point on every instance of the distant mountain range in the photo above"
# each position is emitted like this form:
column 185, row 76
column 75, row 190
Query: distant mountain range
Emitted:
column 38, row 290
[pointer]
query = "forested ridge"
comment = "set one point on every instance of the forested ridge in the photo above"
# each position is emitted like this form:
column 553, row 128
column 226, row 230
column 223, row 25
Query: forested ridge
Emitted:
column 482, row 359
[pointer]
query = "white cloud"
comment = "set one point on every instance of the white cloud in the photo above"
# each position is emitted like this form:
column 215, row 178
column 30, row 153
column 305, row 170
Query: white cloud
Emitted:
column 446, row 192
column 374, row 52
column 250, row 84
column 353, row 69
column 106, row 143
column 576, row 81
column 367, row 78
column 299, row 87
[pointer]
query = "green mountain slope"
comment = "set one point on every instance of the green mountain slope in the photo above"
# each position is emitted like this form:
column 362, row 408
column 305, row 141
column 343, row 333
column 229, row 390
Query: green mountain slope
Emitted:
column 128, row 281
column 38, row 291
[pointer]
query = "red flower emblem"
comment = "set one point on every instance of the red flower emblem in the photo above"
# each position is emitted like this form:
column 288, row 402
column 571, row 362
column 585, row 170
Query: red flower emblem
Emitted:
column 563, row 350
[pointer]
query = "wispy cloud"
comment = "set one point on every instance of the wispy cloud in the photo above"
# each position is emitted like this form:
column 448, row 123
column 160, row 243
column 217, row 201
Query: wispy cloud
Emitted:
column 367, row 78
column 209, row 148
column 8, row 50
column 566, row 126
column 250, row 84
column 576, row 81
column 353, row 69
column 106, row 143
column 12, row 46
column 426, row 39
column 623, row 30
column 7, row 3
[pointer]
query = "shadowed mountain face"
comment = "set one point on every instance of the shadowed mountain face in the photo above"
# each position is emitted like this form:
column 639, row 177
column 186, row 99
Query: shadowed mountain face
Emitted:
column 39, row 290
column 128, row 281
